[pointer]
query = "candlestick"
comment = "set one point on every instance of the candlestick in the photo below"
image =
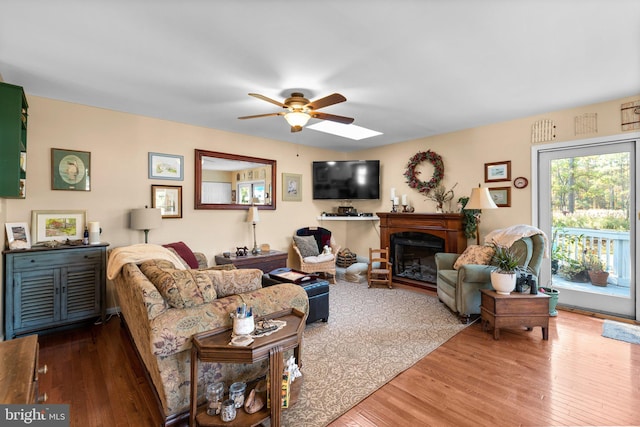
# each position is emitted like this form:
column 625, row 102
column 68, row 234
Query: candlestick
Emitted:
column 404, row 199
column 396, row 201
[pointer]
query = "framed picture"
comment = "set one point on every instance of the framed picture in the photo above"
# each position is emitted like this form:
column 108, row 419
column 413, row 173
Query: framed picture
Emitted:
column 166, row 166
column 498, row 171
column 501, row 196
column 70, row 170
column 57, row 225
column 18, row 235
column 168, row 198
column 291, row 187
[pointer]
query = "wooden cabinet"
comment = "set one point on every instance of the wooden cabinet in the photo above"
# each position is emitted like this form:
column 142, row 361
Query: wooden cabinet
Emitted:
column 266, row 261
column 13, row 141
column 19, row 371
column 514, row 311
column 48, row 288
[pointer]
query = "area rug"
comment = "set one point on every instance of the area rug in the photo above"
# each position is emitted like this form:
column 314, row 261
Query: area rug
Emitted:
column 373, row 334
column 621, row 331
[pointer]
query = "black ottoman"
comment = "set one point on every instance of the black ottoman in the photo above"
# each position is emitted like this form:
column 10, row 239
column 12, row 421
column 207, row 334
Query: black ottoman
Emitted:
column 317, row 290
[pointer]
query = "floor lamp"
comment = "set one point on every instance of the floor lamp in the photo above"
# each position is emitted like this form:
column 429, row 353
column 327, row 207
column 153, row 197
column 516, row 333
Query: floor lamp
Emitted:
column 480, row 199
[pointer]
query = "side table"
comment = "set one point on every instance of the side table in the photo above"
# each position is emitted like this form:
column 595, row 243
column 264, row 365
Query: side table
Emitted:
column 513, row 311
column 265, row 261
column 213, row 346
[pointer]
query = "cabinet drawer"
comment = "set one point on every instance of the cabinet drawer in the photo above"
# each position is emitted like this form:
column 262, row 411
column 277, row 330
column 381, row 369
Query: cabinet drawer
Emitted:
column 36, row 260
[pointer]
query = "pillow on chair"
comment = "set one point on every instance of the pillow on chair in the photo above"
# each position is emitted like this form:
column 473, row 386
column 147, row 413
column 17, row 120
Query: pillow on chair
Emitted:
column 475, row 254
column 307, row 245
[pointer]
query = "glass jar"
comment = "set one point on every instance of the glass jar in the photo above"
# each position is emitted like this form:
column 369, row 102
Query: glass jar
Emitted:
column 236, row 393
column 228, row 411
column 215, row 396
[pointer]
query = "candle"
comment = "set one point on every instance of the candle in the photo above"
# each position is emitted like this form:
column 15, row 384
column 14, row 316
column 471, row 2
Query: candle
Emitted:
column 395, row 200
column 393, row 193
column 404, row 199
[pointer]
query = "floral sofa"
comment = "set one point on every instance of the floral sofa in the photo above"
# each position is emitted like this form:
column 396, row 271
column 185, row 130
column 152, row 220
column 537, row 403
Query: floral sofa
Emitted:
column 164, row 304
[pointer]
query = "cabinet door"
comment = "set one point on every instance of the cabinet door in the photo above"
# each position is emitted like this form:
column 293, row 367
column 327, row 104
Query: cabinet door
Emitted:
column 36, row 298
column 80, row 291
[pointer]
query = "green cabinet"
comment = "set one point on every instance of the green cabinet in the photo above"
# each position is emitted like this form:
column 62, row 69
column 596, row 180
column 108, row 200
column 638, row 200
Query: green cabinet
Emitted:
column 13, row 141
column 50, row 288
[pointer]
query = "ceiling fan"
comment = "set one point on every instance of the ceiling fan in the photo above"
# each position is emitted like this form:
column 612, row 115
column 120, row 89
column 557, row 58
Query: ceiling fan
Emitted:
column 299, row 109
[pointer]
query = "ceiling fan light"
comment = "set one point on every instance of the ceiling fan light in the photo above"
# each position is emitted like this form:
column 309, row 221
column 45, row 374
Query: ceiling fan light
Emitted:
column 297, row 118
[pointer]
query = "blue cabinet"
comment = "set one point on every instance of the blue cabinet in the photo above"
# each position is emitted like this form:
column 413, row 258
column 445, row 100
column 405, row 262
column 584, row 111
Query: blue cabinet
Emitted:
column 51, row 288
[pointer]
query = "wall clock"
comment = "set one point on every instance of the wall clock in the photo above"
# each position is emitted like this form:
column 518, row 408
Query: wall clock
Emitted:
column 520, row 182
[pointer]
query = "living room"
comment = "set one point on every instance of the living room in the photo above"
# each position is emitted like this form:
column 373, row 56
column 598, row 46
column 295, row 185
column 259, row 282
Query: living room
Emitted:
column 119, row 143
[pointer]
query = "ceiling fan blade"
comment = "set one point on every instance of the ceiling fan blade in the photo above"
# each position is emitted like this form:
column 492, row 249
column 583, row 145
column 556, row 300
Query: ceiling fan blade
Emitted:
column 264, row 98
column 335, row 98
column 260, row 115
column 332, row 117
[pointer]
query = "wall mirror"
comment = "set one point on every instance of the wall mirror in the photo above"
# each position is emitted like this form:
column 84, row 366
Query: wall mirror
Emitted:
column 231, row 181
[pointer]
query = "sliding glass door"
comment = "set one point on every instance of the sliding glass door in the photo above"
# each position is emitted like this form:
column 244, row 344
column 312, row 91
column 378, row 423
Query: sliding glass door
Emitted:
column 586, row 205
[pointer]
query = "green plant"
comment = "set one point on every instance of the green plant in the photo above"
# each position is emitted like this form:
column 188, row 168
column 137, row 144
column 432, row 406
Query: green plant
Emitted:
column 593, row 263
column 505, row 260
column 470, row 221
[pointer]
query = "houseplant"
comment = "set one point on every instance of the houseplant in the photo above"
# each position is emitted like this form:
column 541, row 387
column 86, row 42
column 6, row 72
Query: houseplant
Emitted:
column 440, row 195
column 596, row 271
column 503, row 277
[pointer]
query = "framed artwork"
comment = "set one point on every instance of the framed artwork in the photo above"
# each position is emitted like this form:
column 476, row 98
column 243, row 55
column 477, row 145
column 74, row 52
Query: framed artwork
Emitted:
column 498, row 171
column 18, row 235
column 291, row 187
column 501, row 196
column 168, row 198
column 57, row 225
column 70, row 170
column 166, row 166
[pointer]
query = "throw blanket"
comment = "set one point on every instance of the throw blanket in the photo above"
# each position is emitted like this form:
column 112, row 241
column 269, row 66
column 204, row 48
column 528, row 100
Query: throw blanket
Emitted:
column 507, row 236
column 138, row 254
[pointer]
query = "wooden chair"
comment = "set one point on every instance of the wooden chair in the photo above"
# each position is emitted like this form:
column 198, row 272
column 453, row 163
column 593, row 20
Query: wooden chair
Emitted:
column 379, row 273
column 322, row 237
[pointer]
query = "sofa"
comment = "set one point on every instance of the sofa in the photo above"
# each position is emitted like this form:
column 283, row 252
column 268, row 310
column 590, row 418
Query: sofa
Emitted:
column 163, row 304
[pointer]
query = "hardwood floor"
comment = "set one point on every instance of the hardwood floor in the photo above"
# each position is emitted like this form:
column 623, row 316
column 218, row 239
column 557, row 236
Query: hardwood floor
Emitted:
column 576, row 378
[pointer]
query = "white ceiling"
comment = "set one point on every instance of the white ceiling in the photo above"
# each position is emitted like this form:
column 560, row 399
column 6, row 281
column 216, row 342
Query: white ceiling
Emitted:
column 409, row 69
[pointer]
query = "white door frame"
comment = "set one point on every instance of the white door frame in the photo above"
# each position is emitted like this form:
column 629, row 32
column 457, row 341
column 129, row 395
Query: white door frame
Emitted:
column 535, row 196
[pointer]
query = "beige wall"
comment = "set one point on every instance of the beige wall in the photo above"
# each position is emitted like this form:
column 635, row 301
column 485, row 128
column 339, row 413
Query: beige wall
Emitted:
column 119, row 144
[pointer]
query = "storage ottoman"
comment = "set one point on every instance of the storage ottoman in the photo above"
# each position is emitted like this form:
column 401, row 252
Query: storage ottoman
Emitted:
column 317, row 290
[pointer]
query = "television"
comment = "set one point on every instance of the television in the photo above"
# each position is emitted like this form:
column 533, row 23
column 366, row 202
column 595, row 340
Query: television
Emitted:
column 346, row 179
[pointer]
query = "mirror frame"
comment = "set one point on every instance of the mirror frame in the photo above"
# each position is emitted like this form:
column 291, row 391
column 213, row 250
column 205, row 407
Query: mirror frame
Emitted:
column 198, row 184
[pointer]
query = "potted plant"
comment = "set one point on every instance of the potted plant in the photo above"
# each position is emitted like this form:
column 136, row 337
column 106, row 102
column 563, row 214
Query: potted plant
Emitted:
column 470, row 221
column 503, row 277
column 440, row 195
column 596, row 271
column 553, row 298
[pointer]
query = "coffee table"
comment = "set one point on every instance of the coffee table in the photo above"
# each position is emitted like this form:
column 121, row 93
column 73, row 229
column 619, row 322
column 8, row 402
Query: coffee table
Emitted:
column 213, row 346
column 513, row 311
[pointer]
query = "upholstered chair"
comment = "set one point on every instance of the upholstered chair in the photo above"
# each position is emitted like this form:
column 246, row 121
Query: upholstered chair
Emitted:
column 308, row 245
column 459, row 288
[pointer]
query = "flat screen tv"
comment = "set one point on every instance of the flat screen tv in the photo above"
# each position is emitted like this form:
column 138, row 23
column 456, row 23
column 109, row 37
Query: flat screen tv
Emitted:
column 346, row 179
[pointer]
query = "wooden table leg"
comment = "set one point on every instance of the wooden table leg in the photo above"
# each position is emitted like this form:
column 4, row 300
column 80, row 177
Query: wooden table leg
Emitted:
column 276, row 368
column 545, row 333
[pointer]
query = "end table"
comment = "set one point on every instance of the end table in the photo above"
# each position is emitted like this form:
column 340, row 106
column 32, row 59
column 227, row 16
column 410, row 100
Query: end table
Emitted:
column 513, row 311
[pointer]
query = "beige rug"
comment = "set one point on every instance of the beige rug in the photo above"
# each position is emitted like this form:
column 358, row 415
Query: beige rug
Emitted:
column 372, row 335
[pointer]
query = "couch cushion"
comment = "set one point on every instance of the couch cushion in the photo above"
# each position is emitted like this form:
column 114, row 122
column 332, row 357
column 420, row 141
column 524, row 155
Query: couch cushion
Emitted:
column 231, row 282
column 184, row 252
column 180, row 288
column 475, row 254
column 307, row 246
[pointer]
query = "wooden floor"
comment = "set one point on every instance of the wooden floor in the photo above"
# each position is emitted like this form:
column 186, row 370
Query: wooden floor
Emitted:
column 576, row 378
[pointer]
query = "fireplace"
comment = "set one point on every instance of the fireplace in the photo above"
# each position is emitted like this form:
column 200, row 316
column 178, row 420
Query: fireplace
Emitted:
column 413, row 240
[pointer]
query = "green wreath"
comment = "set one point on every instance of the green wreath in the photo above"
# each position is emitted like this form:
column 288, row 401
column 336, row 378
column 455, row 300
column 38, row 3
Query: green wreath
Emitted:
column 411, row 174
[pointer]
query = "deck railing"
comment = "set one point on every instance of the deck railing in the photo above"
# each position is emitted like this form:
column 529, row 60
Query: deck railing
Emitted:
column 611, row 247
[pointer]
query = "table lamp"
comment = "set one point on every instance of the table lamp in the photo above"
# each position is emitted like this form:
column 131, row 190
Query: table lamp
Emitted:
column 253, row 217
column 480, row 199
column 145, row 219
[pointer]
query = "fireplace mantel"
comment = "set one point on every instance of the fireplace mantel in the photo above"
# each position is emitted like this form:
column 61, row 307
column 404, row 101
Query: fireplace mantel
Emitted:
column 447, row 226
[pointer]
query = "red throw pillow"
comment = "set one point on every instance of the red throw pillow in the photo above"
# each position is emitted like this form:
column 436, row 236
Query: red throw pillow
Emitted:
column 185, row 253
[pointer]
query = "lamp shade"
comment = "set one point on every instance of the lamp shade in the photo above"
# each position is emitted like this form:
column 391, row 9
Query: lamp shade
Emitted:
column 253, row 215
column 480, row 199
column 145, row 219
column 297, row 118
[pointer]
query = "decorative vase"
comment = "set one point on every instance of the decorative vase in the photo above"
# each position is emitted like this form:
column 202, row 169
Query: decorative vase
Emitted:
column 553, row 300
column 598, row 278
column 503, row 283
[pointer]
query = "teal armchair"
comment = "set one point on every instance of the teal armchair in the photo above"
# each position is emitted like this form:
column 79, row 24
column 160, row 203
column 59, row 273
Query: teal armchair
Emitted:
column 460, row 289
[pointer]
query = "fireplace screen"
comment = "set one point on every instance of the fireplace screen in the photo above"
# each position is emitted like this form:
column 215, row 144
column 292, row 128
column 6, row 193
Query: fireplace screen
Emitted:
column 413, row 255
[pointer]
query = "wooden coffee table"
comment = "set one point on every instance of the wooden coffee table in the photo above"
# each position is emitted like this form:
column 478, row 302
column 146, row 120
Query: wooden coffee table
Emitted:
column 514, row 311
column 213, row 346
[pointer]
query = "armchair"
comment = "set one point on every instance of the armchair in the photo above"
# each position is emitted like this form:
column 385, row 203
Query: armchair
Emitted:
column 460, row 289
column 312, row 260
